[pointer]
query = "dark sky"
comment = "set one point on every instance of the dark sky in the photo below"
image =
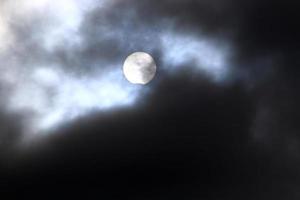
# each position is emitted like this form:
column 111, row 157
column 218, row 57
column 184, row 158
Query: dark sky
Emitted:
column 219, row 121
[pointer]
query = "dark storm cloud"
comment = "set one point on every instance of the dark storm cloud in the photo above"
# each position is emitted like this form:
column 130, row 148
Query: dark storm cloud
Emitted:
column 191, row 137
column 177, row 145
column 183, row 147
column 10, row 132
column 264, row 35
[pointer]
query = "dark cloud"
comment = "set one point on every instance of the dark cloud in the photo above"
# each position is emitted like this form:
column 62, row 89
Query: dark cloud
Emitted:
column 154, row 146
column 189, row 137
column 198, row 146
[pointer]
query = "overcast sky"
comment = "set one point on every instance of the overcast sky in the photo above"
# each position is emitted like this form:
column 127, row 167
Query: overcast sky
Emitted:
column 219, row 120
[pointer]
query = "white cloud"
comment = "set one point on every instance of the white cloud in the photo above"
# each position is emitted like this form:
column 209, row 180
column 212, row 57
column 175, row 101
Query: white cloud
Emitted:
column 51, row 95
column 54, row 96
column 5, row 36
column 206, row 54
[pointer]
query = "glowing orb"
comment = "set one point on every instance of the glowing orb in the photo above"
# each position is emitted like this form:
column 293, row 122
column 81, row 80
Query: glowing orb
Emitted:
column 139, row 68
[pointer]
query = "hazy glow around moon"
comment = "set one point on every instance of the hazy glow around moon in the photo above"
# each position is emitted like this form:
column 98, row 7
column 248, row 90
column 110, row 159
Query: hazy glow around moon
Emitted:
column 139, row 68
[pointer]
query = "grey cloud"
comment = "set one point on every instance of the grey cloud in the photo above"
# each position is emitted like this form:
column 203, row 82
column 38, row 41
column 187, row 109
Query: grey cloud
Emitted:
column 248, row 128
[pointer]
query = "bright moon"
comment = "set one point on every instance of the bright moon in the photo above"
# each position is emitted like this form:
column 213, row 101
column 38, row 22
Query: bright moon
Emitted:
column 139, row 68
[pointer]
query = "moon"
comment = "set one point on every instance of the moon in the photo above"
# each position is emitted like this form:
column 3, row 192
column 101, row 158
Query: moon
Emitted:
column 139, row 68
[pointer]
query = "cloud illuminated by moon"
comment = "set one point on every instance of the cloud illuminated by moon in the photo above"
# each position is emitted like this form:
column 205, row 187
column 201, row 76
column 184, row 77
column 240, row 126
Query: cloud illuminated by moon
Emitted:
column 48, row 93
column 5, row 35
column 207, row 55
column 53, row 96
column 46, row 90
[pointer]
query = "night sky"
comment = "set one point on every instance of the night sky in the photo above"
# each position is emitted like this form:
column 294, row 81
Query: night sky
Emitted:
column 219, row 121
